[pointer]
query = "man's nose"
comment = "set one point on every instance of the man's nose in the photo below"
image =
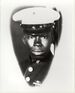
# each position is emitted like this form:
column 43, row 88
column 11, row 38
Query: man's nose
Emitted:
column 37, row 41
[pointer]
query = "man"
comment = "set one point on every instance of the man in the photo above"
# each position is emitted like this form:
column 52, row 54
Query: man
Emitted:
column 40, row 36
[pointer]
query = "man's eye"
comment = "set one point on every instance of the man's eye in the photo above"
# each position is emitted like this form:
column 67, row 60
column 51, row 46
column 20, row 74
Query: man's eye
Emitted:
column 30, row 36
column 45, row 37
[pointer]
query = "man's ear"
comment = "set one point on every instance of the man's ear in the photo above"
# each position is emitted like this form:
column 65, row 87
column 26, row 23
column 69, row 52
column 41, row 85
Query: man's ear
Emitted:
column 24, row 39
column 52, row 49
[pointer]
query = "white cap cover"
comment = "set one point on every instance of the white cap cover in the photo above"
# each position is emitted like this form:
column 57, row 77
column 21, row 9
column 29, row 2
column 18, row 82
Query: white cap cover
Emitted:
column 36, row 15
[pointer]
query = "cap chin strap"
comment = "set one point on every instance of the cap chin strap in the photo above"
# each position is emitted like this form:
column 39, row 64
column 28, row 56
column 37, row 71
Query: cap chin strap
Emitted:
column 52, row 49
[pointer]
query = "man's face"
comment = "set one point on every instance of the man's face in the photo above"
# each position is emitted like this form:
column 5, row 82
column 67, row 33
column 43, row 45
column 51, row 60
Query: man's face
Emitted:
column 39, row 43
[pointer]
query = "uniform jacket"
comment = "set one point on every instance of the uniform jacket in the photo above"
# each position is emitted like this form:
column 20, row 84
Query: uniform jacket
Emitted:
column 35, row 69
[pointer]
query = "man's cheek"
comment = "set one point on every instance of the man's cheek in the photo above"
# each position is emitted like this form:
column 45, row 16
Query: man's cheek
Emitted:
column 45, row 43
column 30, row 42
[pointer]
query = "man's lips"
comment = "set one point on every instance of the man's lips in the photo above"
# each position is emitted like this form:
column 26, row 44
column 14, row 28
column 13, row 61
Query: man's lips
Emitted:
column 37, row 51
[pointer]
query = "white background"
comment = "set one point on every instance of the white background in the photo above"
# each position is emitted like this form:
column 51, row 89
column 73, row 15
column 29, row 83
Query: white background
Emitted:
column 60, row 78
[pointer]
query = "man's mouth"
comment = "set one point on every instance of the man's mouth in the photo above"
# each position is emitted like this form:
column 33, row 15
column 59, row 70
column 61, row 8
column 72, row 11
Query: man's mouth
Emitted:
column 37, row 52
column 37, row 49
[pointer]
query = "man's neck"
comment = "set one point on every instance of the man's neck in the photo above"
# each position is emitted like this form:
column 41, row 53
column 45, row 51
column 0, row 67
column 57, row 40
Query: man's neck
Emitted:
column 44, row 56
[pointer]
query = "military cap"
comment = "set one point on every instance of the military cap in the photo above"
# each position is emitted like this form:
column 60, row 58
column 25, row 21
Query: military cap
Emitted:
column 36, row 19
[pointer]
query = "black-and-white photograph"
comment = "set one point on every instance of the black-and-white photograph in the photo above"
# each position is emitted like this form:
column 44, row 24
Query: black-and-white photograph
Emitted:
column 37, row 46
column 35, row 33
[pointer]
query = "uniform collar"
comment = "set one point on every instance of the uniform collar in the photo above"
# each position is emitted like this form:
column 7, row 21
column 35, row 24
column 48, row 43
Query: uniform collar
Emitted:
column 43, row 58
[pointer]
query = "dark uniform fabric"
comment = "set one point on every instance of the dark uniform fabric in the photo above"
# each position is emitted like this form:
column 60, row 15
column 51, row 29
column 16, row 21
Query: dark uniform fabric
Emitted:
column 39, row 69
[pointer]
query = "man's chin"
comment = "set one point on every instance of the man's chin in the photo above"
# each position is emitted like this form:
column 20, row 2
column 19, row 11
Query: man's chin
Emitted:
column 37, row 52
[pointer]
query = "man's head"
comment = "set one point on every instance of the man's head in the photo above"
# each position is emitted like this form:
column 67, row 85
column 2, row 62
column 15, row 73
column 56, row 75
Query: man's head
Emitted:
column 39, row 27
column 38, row 43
